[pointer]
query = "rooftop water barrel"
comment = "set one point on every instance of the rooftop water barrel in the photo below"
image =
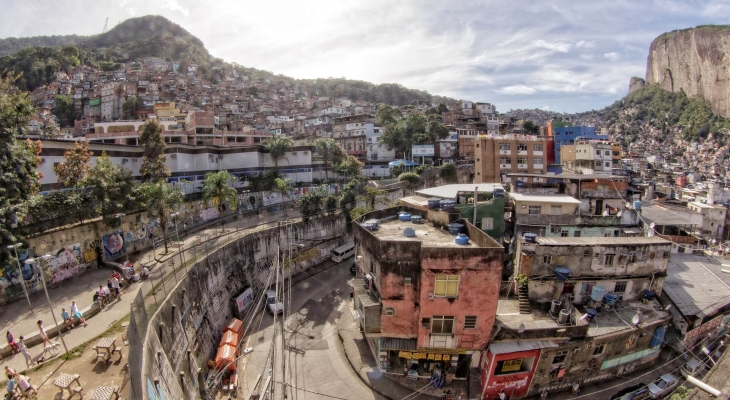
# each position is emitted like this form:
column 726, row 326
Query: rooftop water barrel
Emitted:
column 455, row 228
column 447, row 204
column 462, row 239
column 530, row 237
column 555, row 307
column 369, row 226
column 648, row 294
column 597, row 293
column 591, row 312
column 610, row 298
column 433, row 203
column 562, row 273
column 404, row 217
column 409, row 232
column 416, row 219
column 498, row 193
column 637, row 205
column 564, row 317
column 373, row 221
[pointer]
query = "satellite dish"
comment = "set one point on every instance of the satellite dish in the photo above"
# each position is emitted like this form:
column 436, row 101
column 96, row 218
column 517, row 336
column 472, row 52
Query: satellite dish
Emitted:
column 522, row 328
column 636, row 319
column 430, row 296
column 667, row 307
column 652, row 225
column 618, row 214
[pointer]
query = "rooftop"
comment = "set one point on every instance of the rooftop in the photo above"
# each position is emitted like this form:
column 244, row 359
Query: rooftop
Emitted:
column 696, row 284
column 600, row 241
column 663, row 217
column 583, row 177
column 391, row 229
column 451, row 191
column 545, row 198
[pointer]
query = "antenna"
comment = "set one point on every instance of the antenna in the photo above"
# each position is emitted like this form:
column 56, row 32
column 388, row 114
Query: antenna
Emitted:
column 106, row 23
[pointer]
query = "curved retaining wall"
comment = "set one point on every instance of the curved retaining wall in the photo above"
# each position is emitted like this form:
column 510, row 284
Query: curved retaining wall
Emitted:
column 185, row 330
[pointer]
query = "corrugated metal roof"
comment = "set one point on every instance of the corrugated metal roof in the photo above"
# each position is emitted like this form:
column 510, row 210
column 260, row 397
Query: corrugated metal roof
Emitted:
column 545, row 198
column 450, row 191
column 398, row 344
column 523, row 345
column 660, row 216
column 600, row 241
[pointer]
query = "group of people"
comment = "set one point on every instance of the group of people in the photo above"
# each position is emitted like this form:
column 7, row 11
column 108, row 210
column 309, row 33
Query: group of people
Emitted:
column 114, row 289
column 20, row 381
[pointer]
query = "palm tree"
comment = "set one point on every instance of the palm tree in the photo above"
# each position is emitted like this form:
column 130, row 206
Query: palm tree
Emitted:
column 281, row 186
column 327, row 148
column 219, row 187
column 161, row 199
column 277, row 147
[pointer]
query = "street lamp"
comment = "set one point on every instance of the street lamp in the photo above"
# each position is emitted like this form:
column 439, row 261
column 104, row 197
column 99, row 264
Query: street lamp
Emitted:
column 121, row 226
column 43, row 279
column 177, row 235
column 20, row 273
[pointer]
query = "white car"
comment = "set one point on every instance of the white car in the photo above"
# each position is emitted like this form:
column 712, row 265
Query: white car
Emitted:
column 662, row 386
column 272, row 305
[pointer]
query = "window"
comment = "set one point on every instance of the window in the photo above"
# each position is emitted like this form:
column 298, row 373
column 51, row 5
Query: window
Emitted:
column 586, row 253
column 487, row 223
column 521, row 160
column 536, row 147
column 609, row 259
column 620, row 287
column 406, row 280
column 389, row 311
column 598, row 152
column 426, row 323
column 559, row 356
column 441, row 325
column 505, row 160
column 598, row 350
column 547, row 259
column 535, row 210
column 446, row 286
column 598, row 163
column 665, row 255
column 555, row 229
column 521, row 147
column 470, row 322
column 556, row 210
column 504, row 146
column 576, row 233
column 607, row 164
column 537, row 161
column 631, row 257
column 608, row 153
column 564, row 233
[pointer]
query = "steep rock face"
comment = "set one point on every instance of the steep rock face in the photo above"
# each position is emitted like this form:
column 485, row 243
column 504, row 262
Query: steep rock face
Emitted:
column 636, row 83
column 695, row 60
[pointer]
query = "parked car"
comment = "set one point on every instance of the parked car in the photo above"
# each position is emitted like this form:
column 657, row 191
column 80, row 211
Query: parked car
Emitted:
column 694, row 368
column 272, row 305
column 662, row 386
column 635, row 392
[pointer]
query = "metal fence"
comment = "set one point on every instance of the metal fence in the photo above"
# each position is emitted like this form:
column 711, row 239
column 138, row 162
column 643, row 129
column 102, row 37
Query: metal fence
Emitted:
column 135, row 335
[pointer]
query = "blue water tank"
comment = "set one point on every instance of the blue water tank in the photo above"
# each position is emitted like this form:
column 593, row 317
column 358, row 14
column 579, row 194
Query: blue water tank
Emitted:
column 409, row 232
column 404, row 217
column 610, row 298
column 530, row 237
column 461, row 239
column 498, row 193
column 373, row 221
column 591, row 312
column 447, row 204
column 369, row 226
column 416, row 219
column 597, row 293
column 433, row 203
column 648, row 294
column 455, row 228
column 562, row 273
column 637, row 205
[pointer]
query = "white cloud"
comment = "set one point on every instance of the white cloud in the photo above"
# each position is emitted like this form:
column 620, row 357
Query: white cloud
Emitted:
column 546, row 108
column 586, row 56
column 613, row 56
column 517, row 89
column 562, row 47
column 175, row 5
column 132, row 11
column 585, row 44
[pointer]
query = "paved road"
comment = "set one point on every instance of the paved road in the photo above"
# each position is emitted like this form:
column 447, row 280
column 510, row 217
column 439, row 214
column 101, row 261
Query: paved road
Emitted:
column 316, row 363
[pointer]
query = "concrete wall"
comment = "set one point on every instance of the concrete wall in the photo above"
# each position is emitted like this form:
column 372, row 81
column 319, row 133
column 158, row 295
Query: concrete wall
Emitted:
column 185, row 330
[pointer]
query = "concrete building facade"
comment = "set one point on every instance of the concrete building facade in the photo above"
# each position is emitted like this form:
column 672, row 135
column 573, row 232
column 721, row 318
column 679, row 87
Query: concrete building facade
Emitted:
column 498, row 155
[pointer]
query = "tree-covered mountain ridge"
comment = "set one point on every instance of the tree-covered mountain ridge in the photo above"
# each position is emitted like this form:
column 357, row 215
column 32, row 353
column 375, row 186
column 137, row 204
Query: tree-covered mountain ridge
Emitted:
column 40, row 58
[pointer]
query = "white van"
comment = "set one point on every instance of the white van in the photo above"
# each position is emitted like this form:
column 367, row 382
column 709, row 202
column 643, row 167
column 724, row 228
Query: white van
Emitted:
column 343, row 252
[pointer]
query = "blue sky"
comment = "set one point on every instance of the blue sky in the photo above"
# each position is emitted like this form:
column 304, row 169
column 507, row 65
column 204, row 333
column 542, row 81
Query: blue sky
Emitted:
column 563, row 55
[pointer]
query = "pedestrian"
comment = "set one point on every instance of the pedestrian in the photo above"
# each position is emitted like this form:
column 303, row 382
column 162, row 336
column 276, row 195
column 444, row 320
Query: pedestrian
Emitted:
column 25, row 386
column 544, row 393
column 25, row 351
column 352, row 295
column 11, row 387
column 9, row 372
column 502, row 395
column 115, row 287
column 77, row 314
column 461, row 396
column 67, row 319
column 576, row 389
column 11, row 342
column 44, row 336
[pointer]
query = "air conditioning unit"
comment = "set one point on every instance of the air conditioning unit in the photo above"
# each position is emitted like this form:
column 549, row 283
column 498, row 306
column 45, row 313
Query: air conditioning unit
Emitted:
column 125, row 160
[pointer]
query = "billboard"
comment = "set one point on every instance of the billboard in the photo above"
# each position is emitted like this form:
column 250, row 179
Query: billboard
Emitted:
column 422, row 150
column 94, row 102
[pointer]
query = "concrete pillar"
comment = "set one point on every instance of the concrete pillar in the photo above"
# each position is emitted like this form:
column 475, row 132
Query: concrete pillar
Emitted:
column 558, row 290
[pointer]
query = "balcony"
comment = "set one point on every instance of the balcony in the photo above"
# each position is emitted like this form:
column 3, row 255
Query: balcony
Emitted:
column 538, row 166
column 521, row 166
column 537, row 153
column 505, row 166
column 521, row 152
column 505, row 152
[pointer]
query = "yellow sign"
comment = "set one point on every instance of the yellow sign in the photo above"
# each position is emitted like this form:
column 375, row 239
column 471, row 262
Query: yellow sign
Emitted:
column 424, row 356
column 405, row 354
column 511, row 365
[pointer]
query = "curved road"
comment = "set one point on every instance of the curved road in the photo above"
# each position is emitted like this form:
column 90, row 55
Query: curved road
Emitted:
column 316, row 362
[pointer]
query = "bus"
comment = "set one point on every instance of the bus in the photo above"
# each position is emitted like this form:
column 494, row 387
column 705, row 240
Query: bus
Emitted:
column 341, row 253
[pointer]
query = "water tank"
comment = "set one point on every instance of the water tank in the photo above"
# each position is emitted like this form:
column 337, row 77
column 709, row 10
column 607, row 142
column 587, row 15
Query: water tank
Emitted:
column 610, row 298
column 373, row 221
column 530, row 237
column 498, row 193
column 648, row 294
column 555, row 307
column 562, row 273
column 455, row 228
column 461, row 239
column 433, row 203
column 597, row 293
column 416, row 219
column 369, row 226
column 409, row 232
column 404, row 217
column 637, row 205
column 447, row 204
column 591, row 313
column 564, row 317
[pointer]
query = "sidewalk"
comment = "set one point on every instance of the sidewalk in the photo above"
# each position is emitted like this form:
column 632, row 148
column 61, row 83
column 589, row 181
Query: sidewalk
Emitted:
column 18, row 318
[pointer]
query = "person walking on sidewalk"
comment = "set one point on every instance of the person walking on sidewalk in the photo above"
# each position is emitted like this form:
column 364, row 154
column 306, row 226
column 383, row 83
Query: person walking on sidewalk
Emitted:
column 25, row 351
column 77, row 314
column 544, row 394
column 44, row 335
column 115, row 287
column 11, row 342
column 576, row 389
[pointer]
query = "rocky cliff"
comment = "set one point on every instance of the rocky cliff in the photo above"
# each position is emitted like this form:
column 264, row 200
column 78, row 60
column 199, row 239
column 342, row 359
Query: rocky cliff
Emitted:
column 636, row 83
column 695, row 60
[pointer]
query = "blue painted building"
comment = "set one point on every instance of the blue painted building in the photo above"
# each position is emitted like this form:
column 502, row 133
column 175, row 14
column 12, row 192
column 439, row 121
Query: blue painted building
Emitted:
column 568, row 134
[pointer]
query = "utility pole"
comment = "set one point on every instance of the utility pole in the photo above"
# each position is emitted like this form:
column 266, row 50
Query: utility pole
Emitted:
column 106, row 24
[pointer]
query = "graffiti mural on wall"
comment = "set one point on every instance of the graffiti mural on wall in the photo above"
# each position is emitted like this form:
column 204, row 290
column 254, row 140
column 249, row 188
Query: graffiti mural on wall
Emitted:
column 113, row 245
column 65, row 264
column 209, row 214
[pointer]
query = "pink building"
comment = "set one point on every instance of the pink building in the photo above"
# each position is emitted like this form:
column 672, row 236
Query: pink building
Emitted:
column 425, row 302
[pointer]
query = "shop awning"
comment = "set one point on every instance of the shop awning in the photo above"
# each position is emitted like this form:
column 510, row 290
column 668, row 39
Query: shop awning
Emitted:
column 523, row 345
column 397, row 344
column 632, row 231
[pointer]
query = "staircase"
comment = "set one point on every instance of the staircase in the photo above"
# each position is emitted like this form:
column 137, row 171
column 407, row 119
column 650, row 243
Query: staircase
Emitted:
column 523, row 295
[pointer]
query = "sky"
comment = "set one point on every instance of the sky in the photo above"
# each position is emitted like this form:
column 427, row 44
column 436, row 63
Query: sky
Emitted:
column 565, row 56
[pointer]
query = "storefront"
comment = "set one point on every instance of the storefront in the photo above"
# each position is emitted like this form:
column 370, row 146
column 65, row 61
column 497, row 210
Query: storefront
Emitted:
column 510, row 366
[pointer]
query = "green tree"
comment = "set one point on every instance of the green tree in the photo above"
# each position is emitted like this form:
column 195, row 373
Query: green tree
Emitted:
column 130, row 107
column 18, row 159
column 74, row 171
column 530, row 127
column 277, row 146
column 113, row 188
column 330, row 151
column 153, row 159
column 63, row 109
column 160, row 200
column 449, row 173
column 371, row 196
column 311, row 203
column 442, row 109
column 401, row 134
column 262, row 182
column 412, row 179
column 349, row 167
column 281, row 186
column 219, row 187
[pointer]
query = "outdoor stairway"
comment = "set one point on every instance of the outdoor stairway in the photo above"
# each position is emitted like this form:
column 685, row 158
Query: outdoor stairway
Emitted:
column 524, row 297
